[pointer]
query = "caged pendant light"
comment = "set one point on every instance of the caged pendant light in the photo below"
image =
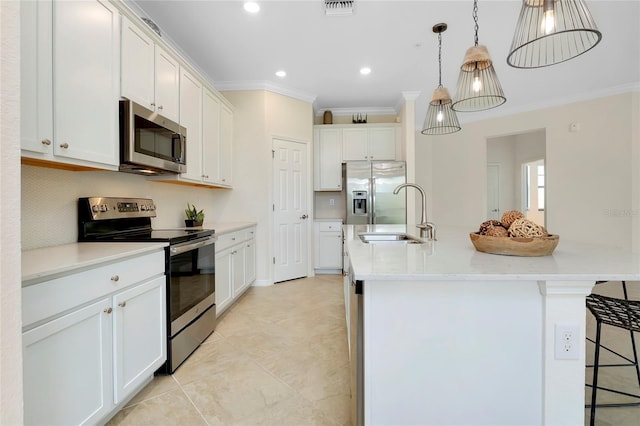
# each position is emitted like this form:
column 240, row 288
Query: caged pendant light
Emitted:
column 440, row 119
column 552, row 31
column 478, row 86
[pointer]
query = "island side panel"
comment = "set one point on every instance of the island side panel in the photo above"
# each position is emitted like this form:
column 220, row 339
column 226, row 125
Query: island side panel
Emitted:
column 564, row 389
column 453, row 352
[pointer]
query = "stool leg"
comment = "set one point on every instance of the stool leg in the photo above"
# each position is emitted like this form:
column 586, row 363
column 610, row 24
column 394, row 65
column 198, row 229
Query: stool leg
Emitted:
column 594, row 385
column 633, row 340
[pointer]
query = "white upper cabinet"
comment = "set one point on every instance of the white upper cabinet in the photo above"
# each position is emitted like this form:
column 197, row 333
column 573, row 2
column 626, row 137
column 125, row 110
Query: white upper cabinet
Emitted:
column 210, row 137
column 327, row 143
column 226, row 145
column 70, row 74
column 191, row 118
column 150, row 75
column 369, row 143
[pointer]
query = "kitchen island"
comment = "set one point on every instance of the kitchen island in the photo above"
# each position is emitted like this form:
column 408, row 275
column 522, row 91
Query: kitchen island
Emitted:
column 452, row 336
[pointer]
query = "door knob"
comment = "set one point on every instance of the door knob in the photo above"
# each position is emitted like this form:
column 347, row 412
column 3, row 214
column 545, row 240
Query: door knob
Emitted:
column 304, row 216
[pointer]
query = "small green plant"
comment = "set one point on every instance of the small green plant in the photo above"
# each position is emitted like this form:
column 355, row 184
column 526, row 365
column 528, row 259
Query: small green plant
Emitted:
column 193, row 213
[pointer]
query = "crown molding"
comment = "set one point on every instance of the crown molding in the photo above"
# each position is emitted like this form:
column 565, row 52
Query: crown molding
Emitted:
column 595, row 94
column 265, row 85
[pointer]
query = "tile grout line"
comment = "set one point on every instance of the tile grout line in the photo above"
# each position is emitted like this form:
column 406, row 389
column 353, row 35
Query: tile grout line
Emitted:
column 190, row 400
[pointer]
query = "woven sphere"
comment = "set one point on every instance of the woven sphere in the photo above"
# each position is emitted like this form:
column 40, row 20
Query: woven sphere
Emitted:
column 486, row 225
column 497, row 231
column 525, row 228
column 509, row 216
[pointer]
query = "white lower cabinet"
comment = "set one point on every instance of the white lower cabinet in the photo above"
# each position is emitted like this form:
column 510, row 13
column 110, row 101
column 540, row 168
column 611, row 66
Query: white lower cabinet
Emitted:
column 82, row 363
column 328, row 246
column 235, row 266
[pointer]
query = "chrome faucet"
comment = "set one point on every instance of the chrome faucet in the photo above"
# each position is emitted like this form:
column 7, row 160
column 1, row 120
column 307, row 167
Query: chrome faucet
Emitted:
column 427, row 229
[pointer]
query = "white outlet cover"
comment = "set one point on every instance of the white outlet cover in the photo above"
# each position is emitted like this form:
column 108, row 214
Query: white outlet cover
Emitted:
column 567, row 341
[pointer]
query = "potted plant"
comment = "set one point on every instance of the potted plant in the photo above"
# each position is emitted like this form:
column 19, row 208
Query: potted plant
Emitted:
column 194, row 217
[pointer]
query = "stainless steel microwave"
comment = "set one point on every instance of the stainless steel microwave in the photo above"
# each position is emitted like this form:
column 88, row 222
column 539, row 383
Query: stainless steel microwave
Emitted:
column 150, row 143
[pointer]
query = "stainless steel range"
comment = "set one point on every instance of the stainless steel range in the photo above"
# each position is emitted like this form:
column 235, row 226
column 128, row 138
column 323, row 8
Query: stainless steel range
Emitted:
column 189, row 260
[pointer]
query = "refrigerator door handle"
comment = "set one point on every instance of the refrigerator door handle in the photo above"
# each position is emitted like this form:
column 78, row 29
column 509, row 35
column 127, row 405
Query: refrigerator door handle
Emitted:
column 372, row 209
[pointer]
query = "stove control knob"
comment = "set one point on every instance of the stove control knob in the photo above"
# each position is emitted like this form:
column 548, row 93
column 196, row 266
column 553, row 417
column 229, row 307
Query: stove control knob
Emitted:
column 104, row 208
column 143, row 208
column 95, row 208
column 152, row 207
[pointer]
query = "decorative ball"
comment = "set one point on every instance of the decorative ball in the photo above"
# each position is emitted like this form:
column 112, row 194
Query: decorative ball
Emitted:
column 525, row 228
column 486, row 225
column 497, row 231
column 509, row 216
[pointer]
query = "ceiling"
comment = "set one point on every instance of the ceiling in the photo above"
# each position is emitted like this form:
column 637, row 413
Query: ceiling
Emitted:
column 322, row 54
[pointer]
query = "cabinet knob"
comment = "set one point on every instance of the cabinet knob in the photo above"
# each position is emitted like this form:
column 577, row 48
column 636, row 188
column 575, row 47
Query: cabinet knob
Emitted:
column 46, row 142
column 153, row 104
column 224, row 180
column 64, row 145
column 115, row 278
column 108, row 311
column 122, row 304
column 159, row 106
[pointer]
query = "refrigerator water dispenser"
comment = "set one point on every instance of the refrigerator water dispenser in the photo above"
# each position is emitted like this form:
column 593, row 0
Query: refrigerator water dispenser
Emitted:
column 359, row 202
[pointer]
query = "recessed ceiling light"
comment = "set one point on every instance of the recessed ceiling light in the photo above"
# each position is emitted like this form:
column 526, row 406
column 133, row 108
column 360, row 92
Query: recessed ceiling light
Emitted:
column 251, row 7
column 281, row 73
column 365, row 70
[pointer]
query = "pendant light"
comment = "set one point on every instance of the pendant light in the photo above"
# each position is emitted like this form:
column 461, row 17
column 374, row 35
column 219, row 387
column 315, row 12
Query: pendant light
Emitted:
column 478, row 86
column 440, row 119
column 552, row 31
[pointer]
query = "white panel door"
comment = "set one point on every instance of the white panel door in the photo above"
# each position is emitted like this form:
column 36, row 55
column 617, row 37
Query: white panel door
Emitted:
column 291, row 247
column 137, row 66
column 493, row 192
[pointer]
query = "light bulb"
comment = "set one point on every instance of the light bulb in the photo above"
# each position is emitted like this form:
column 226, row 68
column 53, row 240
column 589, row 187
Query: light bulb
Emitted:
column 440, row 116
column 477, row 84
column 548, row 22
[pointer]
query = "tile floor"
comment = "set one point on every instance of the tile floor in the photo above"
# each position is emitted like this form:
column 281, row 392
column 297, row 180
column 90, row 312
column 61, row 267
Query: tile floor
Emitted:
column 279, row 357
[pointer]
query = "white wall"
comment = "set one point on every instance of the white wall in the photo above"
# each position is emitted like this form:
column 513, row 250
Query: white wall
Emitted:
column 10, row 269
column 501, row 151
column 590, row 189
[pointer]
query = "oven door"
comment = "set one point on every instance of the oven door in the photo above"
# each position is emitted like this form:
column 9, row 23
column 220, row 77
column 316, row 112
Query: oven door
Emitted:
column 192, row 281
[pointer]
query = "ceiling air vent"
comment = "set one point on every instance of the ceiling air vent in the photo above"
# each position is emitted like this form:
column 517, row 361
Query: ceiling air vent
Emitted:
column 337, row 7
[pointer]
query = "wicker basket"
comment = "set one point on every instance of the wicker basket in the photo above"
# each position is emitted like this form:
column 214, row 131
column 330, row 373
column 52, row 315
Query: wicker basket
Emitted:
column 515, row 246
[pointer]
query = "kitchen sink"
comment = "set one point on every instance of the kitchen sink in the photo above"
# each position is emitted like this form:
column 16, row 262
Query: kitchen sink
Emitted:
column 389, row 237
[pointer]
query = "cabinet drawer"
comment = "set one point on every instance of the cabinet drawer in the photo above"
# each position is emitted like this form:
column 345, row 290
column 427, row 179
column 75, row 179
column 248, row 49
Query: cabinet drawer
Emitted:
column 227, row 240
column 53, row 297
column 330, row 226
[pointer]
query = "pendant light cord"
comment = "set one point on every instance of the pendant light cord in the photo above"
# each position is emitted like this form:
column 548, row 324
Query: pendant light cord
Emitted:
column 475, row 19
column 440, row 59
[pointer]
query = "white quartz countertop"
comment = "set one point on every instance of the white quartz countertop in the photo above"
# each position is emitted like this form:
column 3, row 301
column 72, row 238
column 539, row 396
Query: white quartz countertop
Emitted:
column 226, row 227
column 453, row 257
column 49, row 262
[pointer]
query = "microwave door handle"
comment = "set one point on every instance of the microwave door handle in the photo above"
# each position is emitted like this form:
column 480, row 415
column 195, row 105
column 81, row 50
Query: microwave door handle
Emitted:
column 178, row 155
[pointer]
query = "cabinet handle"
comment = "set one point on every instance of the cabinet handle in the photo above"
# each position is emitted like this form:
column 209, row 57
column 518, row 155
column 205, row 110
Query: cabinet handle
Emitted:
column 233, row 238
column 122, row 304
column 153, row 104
column 224, row 180
column 304, row 216
column 108, row 311
column 64, row 145
column 159, row 106
column 46, row 142
column 115, row 278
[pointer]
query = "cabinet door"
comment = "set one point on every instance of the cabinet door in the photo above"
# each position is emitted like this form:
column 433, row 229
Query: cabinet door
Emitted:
column 167, row 85
column 86, row 71
column 237, row 259
column 328, row 160
column 140, row 335
column 355, row 144
column 382, row 143
column 191, row 118
column 137, row 65
column 250, row 262
column 224, row 275
column 36, row 82
column 210, row 137
column 330, row 250
column 67, row 368
column 226, row 145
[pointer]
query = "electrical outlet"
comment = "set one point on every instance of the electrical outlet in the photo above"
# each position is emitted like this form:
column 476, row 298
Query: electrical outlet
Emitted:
column 567, row 337
column 332, row 201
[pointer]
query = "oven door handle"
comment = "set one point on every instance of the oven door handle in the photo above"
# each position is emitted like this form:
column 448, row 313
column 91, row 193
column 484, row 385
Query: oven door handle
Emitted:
column 191, row 245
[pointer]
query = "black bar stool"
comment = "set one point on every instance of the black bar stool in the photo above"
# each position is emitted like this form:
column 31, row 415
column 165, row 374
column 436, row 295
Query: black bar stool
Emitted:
column 622, row 313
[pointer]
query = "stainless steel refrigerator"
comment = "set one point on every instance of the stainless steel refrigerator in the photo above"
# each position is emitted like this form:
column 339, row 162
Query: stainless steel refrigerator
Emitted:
column 369, row 194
